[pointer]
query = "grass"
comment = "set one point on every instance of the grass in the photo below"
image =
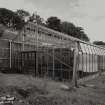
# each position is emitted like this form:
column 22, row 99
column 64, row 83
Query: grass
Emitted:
column 35, row 91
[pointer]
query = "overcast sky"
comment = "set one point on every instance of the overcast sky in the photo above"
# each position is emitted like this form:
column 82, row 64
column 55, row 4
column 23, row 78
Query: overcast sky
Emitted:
column 89, row 14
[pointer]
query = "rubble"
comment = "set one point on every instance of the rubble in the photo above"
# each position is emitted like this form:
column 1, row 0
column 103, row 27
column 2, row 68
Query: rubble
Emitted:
column 7, row 99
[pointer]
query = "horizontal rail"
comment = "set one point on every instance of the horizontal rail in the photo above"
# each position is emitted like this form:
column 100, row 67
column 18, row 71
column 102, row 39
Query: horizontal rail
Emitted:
column 4, row 58
column 50, row 31
column 60, row 61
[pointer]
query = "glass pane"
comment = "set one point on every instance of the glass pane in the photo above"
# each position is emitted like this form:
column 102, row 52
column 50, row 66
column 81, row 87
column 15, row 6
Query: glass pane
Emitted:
column 82, row 47
column 86, row 48
column 99, row 52
column 95, row 50
column 90, row 51
column 102, row 51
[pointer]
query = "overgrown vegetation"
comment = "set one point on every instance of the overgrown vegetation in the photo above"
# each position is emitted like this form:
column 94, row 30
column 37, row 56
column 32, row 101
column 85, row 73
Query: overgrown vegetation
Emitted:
column 99, row 43
column 32, row 91
column 10, row 19
column 17, row 20
column 2, row 30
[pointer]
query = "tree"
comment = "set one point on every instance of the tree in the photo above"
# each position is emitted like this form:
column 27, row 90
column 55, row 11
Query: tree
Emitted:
column 2, row 29
column 10, row 19
column 54, row 23
column 22, row 13
column 72, row 30
column 36, row 18
column 68, row 28
column 81, row 34
column 99, row 43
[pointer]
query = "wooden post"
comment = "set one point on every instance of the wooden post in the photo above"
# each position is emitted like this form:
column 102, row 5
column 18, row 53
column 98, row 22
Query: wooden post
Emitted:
column 10, row 53
column 47, row 61
column 23, row 39
column 61, row 75
column 75, row 65
column 53, row 64
column 36, row 32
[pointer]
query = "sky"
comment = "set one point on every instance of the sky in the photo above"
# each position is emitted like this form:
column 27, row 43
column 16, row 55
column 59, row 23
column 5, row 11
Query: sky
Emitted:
column 88, row 14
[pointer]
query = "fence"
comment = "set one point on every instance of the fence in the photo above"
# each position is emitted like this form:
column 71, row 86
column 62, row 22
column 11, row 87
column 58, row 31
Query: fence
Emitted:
column 4, row 54
column 56, row 63
column 60, row 59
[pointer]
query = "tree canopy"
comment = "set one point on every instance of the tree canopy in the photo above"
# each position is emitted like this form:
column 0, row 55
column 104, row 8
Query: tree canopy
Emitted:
column 2, row 29
column 67, row 28
column 10, row 19
column 99, row 43
column 22, row 14
column 16, row 20
column 54, row 23
column 36, row 18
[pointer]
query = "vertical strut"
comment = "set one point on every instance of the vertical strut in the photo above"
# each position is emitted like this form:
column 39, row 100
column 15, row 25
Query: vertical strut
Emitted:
column 75, row 65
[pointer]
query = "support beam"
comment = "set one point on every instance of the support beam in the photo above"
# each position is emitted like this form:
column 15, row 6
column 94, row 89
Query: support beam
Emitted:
column 53, row 63
column 75, row 65
column 10, row 54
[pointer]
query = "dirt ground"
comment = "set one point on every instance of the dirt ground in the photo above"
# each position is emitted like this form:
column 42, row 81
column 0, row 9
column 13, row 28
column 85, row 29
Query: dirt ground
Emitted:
column 28, row 90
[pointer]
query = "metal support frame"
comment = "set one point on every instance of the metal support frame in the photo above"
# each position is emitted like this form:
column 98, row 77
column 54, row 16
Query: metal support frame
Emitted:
column 36, row 32
column 23, row 36
column 53, row 63
column 53, row 40
column 75, row 65
column 10, row 53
